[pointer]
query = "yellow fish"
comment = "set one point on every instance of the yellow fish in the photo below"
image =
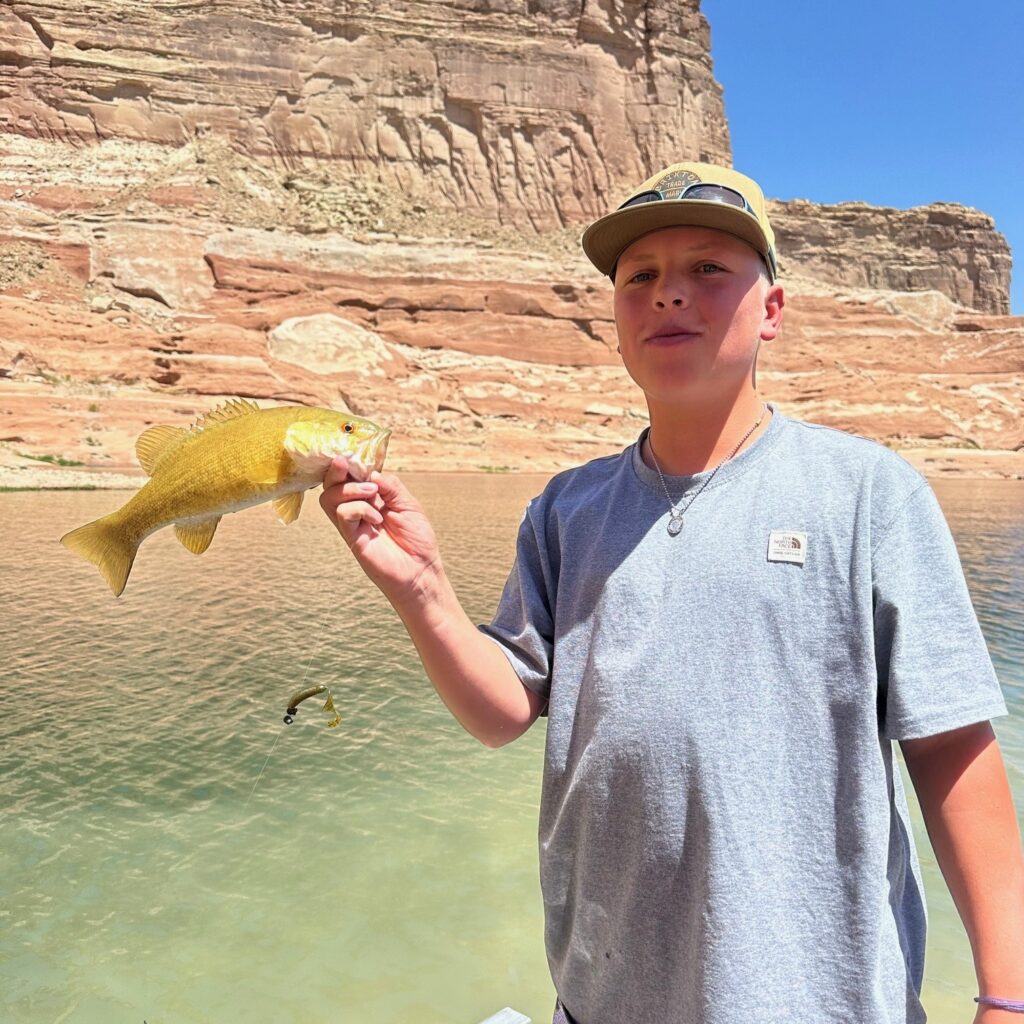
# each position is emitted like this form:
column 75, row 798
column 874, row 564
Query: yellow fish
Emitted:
column 236, row 456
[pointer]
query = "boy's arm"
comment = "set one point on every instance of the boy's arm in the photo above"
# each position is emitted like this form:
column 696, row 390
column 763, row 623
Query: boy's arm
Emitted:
column 965, row 798
column 468, row 670
column 390, row 536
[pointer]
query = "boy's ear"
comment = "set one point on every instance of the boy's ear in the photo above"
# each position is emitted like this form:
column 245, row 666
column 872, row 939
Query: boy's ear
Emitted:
column 774, row 301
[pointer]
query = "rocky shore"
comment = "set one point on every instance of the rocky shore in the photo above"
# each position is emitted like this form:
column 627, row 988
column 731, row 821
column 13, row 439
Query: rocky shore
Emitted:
column 20, row 473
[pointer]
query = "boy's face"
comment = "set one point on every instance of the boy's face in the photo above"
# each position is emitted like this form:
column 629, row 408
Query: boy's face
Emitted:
column 691, row 308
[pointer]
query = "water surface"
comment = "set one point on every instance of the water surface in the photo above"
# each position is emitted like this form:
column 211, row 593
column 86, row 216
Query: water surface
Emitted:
column 385, row 871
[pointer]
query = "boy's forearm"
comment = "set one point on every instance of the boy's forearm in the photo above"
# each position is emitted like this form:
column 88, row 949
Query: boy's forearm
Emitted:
column 470, row 673
column 968, row 809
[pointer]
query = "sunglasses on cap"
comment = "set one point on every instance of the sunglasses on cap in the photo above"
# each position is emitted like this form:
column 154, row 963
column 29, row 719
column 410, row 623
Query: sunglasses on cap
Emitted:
column 707, row 192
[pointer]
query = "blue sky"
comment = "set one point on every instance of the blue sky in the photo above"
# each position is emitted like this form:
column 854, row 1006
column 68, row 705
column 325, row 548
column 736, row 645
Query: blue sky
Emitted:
column 895, row 104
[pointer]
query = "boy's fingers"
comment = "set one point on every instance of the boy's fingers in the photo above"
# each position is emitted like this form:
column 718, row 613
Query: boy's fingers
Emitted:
column 353, row 490
column 393, row 491
column 337, row 471
column 355, row 512
column 343, row 493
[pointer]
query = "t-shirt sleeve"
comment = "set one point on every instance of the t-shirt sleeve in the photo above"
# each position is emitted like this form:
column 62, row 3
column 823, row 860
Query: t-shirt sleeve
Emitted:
column 934, row 669
column 523, row 625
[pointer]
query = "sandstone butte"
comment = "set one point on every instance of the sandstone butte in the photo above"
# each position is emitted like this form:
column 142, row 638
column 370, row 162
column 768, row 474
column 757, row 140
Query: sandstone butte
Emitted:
column 378, row 205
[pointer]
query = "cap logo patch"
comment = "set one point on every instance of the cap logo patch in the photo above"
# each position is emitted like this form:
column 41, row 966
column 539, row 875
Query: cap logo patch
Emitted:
column 675, row 182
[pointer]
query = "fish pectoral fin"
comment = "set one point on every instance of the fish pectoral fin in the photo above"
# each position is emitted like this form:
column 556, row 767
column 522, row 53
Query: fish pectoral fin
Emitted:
column 155, row 443
column 288, row 507
column 197, row 536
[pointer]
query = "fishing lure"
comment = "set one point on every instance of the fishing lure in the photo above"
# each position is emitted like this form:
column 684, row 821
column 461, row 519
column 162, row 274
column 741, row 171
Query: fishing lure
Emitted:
column 293, row 709
column 298, row 697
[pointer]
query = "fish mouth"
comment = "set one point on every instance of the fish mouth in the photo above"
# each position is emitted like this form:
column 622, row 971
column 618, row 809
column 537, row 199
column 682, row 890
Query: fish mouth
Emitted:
column 369, row 456
column 376, row 449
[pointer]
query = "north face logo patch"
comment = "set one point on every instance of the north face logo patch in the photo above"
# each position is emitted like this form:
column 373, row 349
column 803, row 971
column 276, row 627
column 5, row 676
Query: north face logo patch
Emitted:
column 787, row 546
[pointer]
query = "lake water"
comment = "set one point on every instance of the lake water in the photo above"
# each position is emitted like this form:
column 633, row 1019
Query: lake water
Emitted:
column 384, row 871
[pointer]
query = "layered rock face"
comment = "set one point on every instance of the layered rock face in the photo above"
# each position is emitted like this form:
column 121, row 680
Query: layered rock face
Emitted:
column 243, row 200
column 942, row 247
column 535, row 112
column 478, row 357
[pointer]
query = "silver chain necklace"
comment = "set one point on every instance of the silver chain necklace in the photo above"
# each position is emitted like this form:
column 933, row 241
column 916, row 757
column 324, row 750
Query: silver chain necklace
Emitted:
column 675, row 523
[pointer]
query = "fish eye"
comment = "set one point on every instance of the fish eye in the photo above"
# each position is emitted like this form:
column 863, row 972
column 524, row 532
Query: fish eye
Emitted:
column 348, row 428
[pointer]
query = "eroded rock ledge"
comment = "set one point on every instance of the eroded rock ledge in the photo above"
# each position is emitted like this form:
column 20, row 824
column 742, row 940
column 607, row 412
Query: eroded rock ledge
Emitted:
column 478, row 357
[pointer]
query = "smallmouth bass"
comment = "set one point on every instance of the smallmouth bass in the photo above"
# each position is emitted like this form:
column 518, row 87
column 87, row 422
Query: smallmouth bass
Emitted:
column 234, row 457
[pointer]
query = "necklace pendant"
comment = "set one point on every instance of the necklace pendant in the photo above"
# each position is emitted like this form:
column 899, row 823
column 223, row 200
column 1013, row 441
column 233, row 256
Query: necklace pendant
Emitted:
column 675, row 524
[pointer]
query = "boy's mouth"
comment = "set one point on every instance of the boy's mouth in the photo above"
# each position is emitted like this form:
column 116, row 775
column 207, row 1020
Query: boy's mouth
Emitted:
column 672, row 337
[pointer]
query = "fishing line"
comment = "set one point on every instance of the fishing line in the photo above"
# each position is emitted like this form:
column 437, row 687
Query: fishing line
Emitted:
column 316, row 643
column 260, row 776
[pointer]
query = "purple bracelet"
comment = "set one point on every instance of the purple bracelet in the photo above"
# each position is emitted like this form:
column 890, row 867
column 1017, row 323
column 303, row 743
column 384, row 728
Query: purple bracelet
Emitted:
column 1013, row 1005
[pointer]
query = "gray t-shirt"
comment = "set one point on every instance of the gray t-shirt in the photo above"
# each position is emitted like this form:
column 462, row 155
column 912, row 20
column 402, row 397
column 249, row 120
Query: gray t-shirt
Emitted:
column 724, row 838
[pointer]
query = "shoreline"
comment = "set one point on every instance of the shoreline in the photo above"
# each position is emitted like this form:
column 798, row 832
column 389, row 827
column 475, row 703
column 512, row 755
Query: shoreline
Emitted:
column 18, row 474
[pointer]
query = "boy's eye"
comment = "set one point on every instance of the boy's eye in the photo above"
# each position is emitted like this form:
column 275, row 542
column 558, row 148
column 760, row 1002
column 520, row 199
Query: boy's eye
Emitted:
column 643, row 274
column 710, row 268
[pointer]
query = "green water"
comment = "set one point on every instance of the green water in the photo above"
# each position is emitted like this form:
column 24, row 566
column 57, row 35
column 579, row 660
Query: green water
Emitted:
column 383, row 872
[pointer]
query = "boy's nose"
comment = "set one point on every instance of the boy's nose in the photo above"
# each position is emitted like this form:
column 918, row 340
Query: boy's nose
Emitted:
column 671, row 297
column 671, row 290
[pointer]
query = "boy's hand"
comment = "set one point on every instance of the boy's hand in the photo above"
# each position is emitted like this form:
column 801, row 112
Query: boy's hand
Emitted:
column 386, row 529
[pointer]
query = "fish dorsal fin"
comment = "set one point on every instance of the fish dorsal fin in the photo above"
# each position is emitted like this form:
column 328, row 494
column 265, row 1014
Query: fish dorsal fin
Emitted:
column 230, row 410
column 155, row 443
column 288, row 507
column 196, row 536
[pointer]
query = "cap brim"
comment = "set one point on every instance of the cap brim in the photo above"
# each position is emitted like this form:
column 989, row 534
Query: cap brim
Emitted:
column 606, row 239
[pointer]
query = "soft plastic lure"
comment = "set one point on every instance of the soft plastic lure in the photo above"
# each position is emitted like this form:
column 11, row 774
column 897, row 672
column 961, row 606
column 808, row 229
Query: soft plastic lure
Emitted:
column 293, row 709
column 297, row 698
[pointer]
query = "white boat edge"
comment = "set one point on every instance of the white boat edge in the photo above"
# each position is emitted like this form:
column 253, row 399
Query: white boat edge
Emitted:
column 507, row 1016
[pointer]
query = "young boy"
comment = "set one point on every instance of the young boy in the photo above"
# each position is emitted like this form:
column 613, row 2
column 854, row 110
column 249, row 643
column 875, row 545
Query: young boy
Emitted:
column 727, row 624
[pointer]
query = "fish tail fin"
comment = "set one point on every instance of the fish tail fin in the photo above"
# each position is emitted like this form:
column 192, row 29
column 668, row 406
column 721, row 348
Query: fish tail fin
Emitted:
column 107, row 544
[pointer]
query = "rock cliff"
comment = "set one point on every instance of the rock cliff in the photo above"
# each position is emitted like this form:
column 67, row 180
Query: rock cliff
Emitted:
column 378, row 206
column 530, row 111
column 942, row 247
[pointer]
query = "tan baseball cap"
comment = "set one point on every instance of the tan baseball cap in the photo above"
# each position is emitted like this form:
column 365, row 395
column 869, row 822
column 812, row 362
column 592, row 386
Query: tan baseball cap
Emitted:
column 688, row 194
